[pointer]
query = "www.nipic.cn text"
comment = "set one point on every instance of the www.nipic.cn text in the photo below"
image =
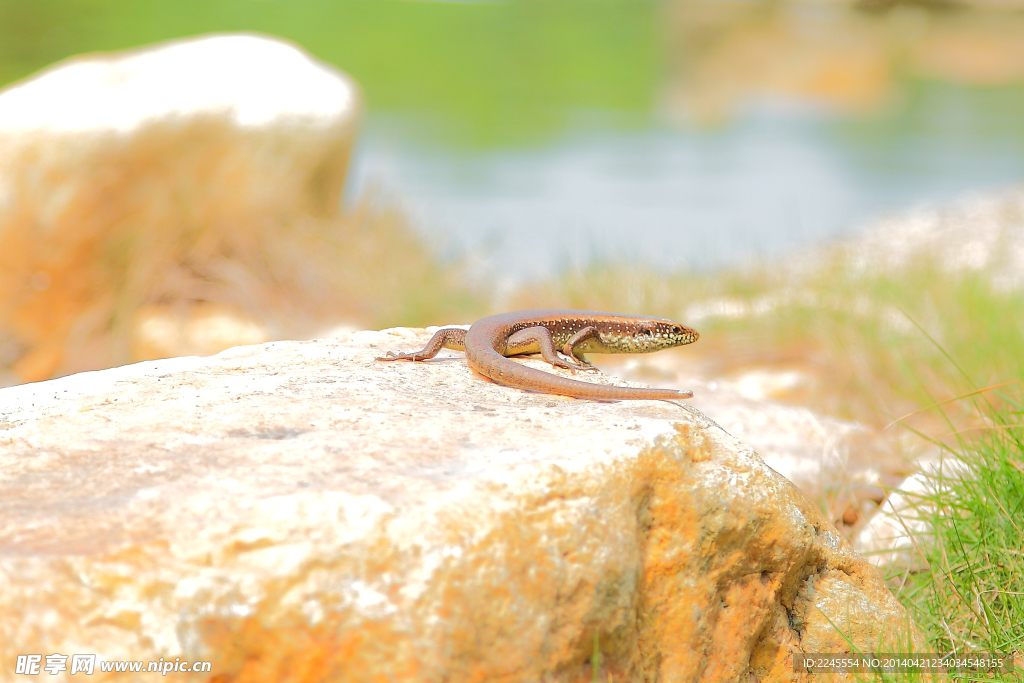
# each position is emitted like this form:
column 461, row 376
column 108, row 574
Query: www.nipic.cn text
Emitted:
column 33, row 665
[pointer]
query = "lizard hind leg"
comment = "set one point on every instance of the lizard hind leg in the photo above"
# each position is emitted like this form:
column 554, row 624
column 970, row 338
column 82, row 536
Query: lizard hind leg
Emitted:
column 579, row 339
column 534, row 339
column 445, row 338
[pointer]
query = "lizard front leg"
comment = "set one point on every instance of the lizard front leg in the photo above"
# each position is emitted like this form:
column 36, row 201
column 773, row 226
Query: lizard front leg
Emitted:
column 445, row 338
column 533, row 339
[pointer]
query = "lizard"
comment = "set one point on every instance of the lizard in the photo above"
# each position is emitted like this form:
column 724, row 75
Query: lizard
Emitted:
column 490, row 341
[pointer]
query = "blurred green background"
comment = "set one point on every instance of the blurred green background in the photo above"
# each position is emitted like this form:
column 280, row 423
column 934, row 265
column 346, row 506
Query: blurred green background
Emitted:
column 483, row 73
column 507, row 73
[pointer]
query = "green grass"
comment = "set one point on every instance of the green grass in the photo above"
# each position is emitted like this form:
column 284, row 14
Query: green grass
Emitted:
column 970, row 596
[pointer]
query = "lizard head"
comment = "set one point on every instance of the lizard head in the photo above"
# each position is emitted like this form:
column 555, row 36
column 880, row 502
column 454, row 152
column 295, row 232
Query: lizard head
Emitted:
column 644, row 335
column 664, row 334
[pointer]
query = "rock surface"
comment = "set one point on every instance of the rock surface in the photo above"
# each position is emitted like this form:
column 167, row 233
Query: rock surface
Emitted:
column 135, row 183
column 298, row 511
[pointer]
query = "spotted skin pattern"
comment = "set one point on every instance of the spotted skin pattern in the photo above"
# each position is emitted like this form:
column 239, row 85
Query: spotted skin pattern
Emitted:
column 489, row 341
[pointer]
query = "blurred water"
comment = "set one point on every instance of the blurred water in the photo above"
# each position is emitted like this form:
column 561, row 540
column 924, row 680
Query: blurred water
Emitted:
column 773, row 181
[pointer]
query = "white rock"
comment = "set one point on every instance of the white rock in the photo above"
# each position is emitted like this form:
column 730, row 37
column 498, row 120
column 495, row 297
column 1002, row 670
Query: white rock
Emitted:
column 135, row 184
column 253, row 80
column 893, row 538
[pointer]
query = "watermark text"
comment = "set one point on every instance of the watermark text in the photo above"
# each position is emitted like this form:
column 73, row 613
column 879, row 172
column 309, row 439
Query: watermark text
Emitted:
column 901, row 662
column 35, row 665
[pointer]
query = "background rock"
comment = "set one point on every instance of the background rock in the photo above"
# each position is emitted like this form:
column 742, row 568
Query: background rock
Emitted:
column 134, row 185
column 892, row 539
column 982, row 233
column 299, row 510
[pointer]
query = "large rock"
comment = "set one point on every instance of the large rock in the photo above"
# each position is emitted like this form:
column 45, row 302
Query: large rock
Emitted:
column 297, row 510
column 135, row 184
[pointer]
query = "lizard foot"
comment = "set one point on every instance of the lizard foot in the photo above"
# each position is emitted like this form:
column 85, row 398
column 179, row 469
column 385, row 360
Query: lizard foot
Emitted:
column 574, row 364
column 583, row 368
column 391, row 355
column 587, row 367
column 580, row 364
